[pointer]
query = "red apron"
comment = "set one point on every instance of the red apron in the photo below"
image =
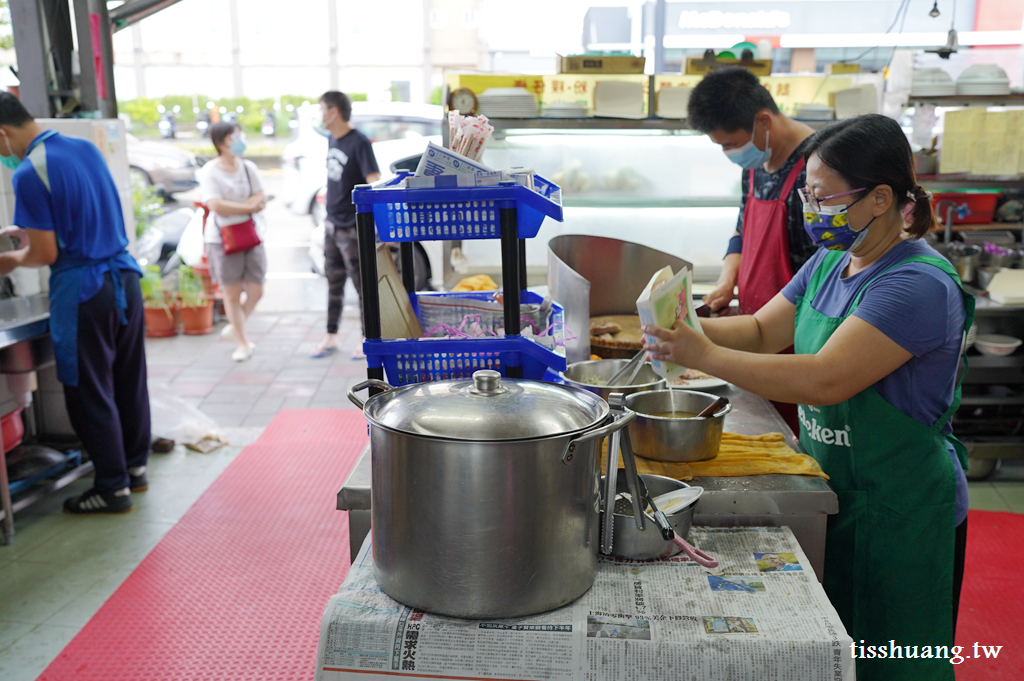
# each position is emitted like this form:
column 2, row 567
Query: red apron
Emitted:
column 765, row 266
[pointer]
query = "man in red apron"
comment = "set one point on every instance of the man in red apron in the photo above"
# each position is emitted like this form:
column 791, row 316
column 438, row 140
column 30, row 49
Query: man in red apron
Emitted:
column 770, row 244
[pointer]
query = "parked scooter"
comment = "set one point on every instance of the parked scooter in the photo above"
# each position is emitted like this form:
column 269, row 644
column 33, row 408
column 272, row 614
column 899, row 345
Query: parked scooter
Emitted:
column 203, row 123
column 269, row 125
column 168, row 126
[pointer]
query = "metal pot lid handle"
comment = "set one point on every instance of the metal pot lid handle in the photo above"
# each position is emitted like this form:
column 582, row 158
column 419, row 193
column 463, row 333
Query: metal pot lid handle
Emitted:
column 366, row 384
column 619, row 422
column 487, row 382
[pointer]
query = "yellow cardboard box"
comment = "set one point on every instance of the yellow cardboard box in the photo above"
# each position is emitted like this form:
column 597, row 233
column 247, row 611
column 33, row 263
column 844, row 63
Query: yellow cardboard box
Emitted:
column 600, row 64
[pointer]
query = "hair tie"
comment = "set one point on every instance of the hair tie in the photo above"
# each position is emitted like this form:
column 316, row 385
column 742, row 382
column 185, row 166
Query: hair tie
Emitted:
column 910, row 195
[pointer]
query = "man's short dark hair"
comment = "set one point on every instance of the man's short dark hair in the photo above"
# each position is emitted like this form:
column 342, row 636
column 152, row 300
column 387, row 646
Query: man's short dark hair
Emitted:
column 728, row 99
column 340, row 101
column 12, row 111
column 220, row 131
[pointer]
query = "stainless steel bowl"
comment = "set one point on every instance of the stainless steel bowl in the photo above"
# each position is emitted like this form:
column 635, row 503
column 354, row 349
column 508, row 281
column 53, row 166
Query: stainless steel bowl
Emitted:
column 577, row 373
column 630, row 542
column 672, row 439
column 985, row 275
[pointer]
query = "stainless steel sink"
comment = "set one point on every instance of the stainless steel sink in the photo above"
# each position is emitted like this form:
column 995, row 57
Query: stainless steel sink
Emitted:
column 23, row 318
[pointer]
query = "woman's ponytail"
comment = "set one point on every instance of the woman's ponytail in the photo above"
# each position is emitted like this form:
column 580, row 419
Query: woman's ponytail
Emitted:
column 922, row 217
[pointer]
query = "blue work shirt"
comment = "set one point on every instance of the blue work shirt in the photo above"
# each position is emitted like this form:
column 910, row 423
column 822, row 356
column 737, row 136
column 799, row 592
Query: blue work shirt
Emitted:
column 63, row 186
column 919, row 307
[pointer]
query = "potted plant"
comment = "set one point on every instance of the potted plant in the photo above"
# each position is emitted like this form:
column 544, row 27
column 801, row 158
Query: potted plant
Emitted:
column 158, row 307
column 196, row 305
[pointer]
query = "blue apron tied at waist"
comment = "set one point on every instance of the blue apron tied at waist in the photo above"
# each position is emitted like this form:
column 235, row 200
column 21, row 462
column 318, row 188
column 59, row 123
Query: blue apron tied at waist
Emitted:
column 66, row 277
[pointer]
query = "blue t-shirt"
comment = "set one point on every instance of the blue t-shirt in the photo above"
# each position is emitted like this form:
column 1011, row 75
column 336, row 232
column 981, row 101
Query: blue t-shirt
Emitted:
column 64, row 186
column 919, row 307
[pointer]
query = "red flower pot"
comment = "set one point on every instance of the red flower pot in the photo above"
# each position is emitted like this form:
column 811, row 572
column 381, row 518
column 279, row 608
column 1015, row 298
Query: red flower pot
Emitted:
column 197, row 321
column 160, row 322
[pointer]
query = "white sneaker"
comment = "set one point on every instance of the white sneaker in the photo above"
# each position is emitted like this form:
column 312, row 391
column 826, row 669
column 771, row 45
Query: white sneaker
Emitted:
column 228, row 332
column 242, row 354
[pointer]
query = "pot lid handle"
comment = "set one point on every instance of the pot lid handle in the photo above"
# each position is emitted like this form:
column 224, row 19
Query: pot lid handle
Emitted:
column 487, row 382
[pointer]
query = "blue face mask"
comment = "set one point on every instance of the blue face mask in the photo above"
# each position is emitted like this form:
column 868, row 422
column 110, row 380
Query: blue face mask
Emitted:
column 238, row 146
column 12, row 162
column 749, row 156
column 829, row 226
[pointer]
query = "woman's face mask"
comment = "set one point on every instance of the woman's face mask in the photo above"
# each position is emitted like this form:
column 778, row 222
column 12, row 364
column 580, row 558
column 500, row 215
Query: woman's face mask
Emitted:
column 238, row 144
column 829, row 226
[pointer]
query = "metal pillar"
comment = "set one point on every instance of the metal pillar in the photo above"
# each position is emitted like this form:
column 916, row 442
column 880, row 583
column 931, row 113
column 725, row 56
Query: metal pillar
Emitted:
column 138, row 61
column 366, row 235
column 99, row 23
column 659, row 36
column 236, row 51
column 87, row 93
column 30, row 48
column 332, row 41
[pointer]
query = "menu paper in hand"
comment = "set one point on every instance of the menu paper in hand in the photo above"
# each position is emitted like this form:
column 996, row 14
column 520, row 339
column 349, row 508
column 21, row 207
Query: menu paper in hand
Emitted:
column 667, row 300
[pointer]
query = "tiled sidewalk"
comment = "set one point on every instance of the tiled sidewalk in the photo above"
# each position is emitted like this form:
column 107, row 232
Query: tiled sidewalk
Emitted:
column 280, row 374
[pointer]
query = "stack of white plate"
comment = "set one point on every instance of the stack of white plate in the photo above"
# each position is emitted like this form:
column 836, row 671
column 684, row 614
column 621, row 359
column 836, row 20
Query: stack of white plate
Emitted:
column 507, row 102
column 814, row 112
column 983, row 79
column 565, row 110
column 932, row 83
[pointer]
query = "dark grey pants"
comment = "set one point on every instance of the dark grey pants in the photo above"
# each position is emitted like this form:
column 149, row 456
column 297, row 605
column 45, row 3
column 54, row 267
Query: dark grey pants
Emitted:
column 341, row 262
column 109, row 408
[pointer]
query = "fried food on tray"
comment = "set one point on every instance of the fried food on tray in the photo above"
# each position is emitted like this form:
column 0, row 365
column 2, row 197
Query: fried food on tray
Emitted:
column 601, row 328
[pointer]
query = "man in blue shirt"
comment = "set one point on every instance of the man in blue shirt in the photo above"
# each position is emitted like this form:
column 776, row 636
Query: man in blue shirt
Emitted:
column 68, row 216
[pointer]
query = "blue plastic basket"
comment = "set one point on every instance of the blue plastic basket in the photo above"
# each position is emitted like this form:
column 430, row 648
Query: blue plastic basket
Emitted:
column 440, row 359
column 456, row 213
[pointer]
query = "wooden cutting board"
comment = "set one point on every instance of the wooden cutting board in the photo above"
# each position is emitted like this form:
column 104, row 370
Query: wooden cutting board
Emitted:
column 628, row 338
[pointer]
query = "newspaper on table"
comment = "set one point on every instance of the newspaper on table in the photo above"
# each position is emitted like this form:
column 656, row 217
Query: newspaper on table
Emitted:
column 760, row 615
column 667, row 300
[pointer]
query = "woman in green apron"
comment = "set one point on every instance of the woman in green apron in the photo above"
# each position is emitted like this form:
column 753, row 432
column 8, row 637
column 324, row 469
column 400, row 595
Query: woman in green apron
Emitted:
column 878, row 320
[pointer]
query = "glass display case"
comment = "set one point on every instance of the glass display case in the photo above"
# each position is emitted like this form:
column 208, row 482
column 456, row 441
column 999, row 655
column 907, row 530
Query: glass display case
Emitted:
column 644, row 181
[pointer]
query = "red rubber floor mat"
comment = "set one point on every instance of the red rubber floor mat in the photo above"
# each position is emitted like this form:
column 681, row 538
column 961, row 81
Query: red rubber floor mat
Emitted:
column 237, row 588
column 990, row 599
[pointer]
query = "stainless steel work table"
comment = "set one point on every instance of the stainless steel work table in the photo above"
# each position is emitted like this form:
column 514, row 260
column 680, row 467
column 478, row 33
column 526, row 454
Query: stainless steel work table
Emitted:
column 800, row 502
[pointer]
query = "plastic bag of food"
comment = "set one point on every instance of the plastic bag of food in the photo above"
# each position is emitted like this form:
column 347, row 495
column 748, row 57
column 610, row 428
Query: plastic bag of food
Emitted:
column 174, row 419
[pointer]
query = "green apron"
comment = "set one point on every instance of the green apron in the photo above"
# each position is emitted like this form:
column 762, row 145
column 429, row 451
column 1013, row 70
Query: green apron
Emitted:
column 889, row 551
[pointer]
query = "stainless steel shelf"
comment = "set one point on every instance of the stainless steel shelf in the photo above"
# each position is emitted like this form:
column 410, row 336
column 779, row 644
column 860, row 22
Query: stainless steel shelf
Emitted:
column 986, row 362
column 990, row 401
column 648, row 202
column 669, row 124
column 970, row 100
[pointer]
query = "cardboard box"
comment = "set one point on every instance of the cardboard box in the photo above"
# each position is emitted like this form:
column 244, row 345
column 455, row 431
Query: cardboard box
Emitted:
column 700, row 67
column 397, row 318
column 841, row 69
column 596, row 63
column 437, row 160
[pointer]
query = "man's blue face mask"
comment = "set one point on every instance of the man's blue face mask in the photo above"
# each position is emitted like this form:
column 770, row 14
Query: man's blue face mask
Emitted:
column 12, row 162
column 749, row 156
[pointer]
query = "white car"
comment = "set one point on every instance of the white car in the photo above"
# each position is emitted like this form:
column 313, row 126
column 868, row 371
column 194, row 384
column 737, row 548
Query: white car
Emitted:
column 396, row 129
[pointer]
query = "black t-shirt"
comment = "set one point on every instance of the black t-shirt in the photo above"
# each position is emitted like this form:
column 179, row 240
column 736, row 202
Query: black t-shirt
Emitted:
column 349, row 160
column 768, row 187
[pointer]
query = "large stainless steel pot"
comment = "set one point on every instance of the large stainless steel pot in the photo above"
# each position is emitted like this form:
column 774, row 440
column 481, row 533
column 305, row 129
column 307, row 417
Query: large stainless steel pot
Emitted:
column 485, row 496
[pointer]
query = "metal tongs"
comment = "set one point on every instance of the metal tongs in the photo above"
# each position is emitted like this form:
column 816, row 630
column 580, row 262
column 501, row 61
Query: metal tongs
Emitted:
column 619, row 440
column 631, row 369
column 638, row 493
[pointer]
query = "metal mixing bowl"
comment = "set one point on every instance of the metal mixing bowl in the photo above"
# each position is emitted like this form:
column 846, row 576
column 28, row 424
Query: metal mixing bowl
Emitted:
column 629, row 542
column 577, row 373
column 671, row 439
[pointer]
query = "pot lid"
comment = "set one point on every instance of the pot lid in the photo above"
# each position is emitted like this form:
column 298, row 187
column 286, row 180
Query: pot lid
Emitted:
column 486, row 408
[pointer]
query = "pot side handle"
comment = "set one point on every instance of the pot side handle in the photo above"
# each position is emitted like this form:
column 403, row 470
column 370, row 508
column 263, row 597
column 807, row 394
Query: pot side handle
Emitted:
column 619, row 423
column 366, row 384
